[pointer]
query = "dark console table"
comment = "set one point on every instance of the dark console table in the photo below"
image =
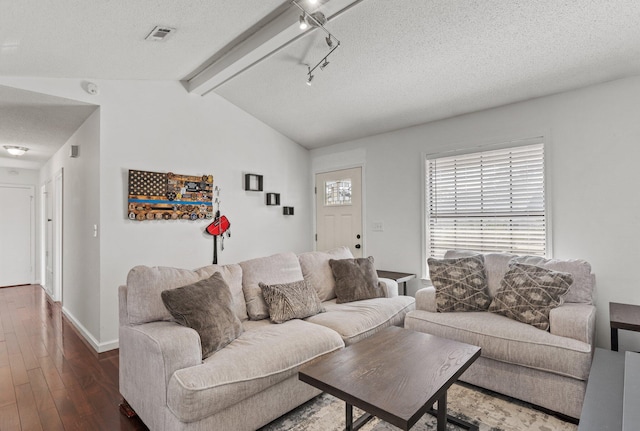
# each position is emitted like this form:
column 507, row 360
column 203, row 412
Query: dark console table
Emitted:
column 399, row 277
column 623, row 316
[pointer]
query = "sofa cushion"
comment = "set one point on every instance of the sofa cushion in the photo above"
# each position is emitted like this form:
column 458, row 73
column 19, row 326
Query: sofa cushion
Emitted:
column 288, row 301
column 507, row 340
column 145, row 284
column 276, row 269
column 356, row 279
column 528, row 294
column 207, row 307
column 461, row 284
column 265, row 354
column 357, row 320
column 317, row 272
column 495, row 265
column 581, row 290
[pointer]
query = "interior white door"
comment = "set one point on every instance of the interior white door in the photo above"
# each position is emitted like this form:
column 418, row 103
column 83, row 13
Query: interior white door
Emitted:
column 17, row 241
column 48, row 237
column 339, row 210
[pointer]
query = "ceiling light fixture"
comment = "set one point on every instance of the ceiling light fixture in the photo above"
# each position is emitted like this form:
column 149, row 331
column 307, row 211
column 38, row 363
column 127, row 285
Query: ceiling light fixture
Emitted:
column 329, row 41
column 310, row 76
column 303, row 21
column 15, row 150
column 317, row 19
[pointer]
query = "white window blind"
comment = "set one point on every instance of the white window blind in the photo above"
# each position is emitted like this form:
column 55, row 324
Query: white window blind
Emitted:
column 490, row 201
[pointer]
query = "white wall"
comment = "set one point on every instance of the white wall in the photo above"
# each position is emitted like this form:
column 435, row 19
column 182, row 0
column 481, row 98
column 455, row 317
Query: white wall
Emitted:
column 593, row 145
column 81, row 210
column 18, row 176
column 158, row 126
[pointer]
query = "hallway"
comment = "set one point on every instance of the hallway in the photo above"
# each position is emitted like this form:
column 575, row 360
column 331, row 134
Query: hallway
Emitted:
column 49, row 379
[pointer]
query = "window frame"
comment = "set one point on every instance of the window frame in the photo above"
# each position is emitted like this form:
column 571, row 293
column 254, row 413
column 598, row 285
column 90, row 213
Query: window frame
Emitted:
column 491, row 145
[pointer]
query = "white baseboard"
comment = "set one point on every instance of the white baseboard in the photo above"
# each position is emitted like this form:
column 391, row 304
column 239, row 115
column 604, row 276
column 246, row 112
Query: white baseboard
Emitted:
column 97, row 346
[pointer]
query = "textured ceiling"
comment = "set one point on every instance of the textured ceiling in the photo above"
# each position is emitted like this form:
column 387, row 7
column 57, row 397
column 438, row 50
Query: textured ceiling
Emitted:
column 401, row 62
column 105, row 38
column 39, row 122
column 419, row 60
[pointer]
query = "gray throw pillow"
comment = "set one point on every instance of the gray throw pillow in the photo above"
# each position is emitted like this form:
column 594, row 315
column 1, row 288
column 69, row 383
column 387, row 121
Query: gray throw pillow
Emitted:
column 207, row 307
column 288, row 301
column 581, row 290
column 528, row 293
column 461, row 283
column 356, row 279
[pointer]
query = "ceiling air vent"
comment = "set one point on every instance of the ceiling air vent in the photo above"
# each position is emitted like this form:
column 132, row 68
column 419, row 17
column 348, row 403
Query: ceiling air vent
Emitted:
column 160, row 33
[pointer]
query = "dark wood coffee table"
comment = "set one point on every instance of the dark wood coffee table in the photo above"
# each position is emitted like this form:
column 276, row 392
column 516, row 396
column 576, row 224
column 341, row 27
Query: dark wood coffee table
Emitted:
column 396, row 375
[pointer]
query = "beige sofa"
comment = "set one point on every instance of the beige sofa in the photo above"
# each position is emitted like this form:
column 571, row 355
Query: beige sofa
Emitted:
column 254, row 379
column 546, row 368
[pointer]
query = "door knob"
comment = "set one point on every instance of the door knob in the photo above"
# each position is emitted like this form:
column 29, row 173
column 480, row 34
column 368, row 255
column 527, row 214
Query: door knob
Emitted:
column 358, row 245
column 358, row 236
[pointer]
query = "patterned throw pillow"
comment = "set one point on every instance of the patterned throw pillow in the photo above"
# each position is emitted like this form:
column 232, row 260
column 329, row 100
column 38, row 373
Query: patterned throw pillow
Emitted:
column 288, row 301
column 461, row 284
column 528, row 293
column 356, row 279
column 207, row 307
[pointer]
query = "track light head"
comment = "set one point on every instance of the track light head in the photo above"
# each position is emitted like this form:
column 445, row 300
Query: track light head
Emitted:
column 309, row 80
column 324, row 64
column 303, row 22
column 329, row 41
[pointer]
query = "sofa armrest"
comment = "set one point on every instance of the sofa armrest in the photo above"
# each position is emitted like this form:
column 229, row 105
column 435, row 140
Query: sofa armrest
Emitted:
column 149, row 355
column 389, row 286
column 426, row 299
column 575, row 321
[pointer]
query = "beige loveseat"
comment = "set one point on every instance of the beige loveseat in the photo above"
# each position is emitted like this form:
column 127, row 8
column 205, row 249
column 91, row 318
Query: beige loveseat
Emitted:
column 546, row 368
column 252, row 380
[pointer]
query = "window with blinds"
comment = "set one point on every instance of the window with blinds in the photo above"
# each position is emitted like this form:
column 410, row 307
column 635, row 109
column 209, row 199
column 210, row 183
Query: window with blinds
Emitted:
column 491, row 201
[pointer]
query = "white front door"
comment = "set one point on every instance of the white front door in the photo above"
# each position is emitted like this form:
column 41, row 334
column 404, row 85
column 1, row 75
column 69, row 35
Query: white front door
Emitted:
column 339, row 210
column 17, row 236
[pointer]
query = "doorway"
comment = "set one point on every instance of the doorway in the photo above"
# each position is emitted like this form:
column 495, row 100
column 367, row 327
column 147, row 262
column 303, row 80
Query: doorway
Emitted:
column 17, row 235
column 339, row 210
column 52, row 236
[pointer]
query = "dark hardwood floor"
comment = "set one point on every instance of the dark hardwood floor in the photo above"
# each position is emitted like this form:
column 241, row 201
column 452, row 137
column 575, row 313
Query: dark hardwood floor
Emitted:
column 49, row 379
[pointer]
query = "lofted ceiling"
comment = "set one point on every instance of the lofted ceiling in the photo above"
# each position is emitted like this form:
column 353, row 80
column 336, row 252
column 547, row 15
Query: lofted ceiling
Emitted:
column 401, row 62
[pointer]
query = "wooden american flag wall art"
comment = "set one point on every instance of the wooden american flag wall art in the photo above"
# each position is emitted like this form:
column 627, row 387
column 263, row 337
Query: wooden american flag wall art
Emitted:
column 169, row 196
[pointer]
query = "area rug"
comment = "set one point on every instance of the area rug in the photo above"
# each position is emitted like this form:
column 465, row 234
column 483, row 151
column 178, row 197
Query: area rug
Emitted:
column 490, row 411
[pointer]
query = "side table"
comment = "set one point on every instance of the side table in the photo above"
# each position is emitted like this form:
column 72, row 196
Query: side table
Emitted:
column 623, row 316
column 399, row 277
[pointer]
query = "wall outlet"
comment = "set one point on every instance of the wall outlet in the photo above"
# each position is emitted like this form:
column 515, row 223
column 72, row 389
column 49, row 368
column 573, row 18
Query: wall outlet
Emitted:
column 377, row 226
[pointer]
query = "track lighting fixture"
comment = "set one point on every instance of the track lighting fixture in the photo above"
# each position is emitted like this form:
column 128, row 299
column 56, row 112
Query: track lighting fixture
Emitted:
column 309, row 76
column 303, row 21
column 329, row 41
column 317, row 19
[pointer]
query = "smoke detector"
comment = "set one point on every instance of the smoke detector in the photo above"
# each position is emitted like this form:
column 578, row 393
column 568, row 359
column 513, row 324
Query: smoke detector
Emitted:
column 160, row 33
